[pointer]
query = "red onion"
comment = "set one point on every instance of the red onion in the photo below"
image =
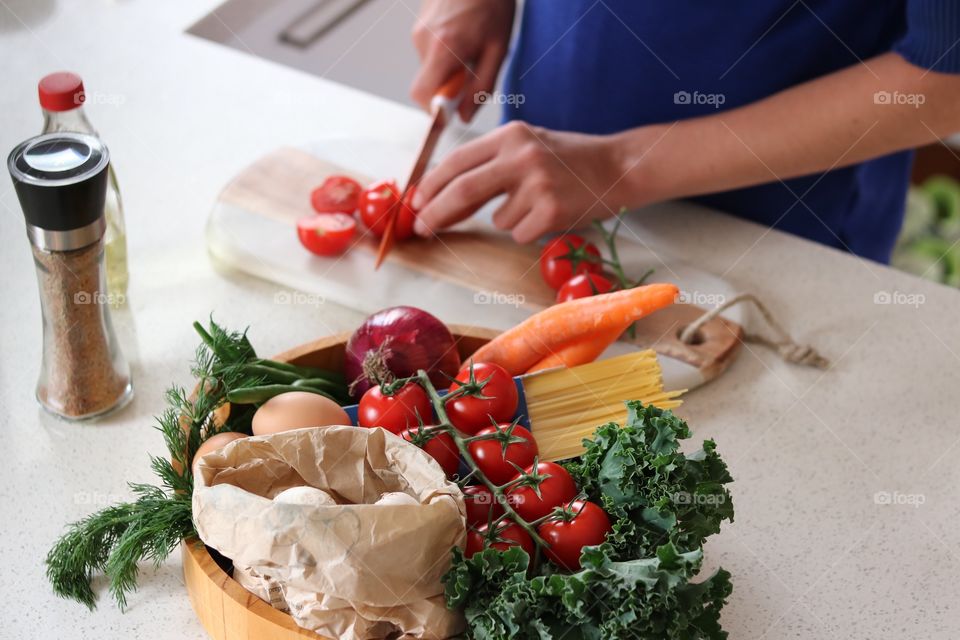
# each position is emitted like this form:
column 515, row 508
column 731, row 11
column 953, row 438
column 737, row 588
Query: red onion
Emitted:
column 397, row 342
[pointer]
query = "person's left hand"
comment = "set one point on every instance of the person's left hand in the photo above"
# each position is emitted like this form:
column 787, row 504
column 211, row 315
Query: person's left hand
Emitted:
column 553, row 181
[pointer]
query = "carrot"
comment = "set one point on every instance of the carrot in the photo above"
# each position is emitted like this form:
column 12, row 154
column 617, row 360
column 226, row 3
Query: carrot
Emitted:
column 582, row 351
column 520, row 348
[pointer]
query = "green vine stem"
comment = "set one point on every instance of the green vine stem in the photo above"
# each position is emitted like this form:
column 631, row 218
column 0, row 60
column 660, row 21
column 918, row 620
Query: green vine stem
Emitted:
column 444, row 424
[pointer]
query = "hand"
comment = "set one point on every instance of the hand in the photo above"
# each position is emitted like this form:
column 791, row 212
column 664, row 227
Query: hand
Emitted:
column 553, row 181
column 450, row 34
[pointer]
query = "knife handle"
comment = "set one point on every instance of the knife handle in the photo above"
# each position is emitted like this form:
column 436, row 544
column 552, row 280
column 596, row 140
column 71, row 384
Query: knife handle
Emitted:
column 447, row 98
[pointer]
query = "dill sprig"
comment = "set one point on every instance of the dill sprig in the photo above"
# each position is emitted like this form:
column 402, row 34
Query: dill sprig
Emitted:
column 115, row 540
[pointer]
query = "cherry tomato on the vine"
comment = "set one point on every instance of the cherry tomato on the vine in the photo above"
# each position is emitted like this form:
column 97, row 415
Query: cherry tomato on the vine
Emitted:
column 470, row 413
column 509, row 534
column 480, row 503
column 327, row 234
column 490, row 457
column 587, row 526
column 583, row 285
column 566, row 256
column 556, row 489
column 407, row 408
column 337, row 194
column 438, row 444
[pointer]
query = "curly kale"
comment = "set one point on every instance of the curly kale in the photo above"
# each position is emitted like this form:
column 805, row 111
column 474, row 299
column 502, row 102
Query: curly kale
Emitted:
column 637, row 585
column 654, row 493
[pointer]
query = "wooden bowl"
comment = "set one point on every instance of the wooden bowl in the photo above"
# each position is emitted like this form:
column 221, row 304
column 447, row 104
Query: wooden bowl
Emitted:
column 225, row 609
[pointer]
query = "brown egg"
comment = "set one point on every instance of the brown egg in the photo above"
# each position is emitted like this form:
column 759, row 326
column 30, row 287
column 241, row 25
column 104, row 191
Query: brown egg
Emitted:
column 295, row 410
column 213, row 443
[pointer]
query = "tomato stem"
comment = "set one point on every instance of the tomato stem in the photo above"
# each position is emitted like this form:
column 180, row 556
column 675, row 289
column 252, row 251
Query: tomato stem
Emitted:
column 499, row 495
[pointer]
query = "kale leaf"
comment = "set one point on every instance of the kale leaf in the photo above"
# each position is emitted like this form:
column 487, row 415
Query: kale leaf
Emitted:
column 663, row 504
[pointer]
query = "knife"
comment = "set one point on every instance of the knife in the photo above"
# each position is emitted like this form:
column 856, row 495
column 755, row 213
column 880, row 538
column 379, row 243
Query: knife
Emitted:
column 442, row 107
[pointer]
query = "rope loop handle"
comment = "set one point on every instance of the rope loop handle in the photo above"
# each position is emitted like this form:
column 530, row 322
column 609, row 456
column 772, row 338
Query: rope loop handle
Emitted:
column 788, row 349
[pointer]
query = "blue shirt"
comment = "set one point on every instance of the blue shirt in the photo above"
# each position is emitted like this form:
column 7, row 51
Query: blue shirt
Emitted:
column 601, row 66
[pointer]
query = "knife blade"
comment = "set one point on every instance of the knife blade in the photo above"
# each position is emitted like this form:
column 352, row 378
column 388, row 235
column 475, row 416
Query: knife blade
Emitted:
column 442, row 107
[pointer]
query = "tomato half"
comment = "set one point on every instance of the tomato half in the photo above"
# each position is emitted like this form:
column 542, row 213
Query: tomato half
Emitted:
column 566, row 256
column 495, row 461
column 470, row 413
column 583, row 285
column 407, row 408
column 567, row 538
column 480, row 503
column 438, row 444
column 556, row 489
column 509, row 534
column 376, row 201
column 327, row 234
column 337, row 194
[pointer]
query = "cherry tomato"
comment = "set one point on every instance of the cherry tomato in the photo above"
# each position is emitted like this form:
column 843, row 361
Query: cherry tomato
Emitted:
column 509, row 535
column 583, row 285
column 559, row 255
column 469, row 414
column 438, row 444
column 489, row 454
column 567, row 538
column 480, row 502
column 405, row 219
column 404, row 409
column 337, row 194
column 557, row 489
column 327, row 234
column 376, row 201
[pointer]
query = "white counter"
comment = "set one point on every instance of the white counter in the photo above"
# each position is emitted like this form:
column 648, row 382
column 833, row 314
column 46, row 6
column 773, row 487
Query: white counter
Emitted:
column 812, row 553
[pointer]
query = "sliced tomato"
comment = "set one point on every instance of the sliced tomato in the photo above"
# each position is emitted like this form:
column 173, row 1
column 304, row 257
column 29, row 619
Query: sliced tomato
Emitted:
column 566, row 256
column 337, row 194
column 583, row 285
column 327, row 234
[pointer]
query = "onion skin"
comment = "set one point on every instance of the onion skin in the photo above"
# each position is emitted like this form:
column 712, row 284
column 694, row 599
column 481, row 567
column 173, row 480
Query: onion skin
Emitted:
column 410, row 339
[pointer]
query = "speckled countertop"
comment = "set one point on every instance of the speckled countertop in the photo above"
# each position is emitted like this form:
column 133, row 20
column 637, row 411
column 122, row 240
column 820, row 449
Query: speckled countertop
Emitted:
column 845, row 480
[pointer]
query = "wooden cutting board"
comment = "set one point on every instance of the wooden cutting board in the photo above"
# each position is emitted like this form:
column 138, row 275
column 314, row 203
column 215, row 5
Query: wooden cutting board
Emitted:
column 474, row 275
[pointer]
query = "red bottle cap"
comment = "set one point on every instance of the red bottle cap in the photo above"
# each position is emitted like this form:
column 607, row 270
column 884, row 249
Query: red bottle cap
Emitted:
column 61, row 91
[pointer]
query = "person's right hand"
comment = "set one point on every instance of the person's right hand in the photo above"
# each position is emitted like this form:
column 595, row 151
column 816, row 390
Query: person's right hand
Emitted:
column 450, row 34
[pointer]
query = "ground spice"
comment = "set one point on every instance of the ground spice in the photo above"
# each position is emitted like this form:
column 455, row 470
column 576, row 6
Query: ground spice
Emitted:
column 83, row 372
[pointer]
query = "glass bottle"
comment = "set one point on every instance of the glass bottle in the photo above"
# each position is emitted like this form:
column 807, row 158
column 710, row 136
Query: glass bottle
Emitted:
column 61, row 183
column 61, row 98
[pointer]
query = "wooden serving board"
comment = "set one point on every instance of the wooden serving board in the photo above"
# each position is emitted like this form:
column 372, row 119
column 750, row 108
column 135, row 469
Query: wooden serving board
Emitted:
column 474, row 275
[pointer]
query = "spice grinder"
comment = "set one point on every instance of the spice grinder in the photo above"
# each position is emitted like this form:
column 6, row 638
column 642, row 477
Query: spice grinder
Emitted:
column 61, row 182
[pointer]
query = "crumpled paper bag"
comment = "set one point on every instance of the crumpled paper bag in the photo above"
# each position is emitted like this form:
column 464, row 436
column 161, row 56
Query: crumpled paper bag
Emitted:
column 351, row 570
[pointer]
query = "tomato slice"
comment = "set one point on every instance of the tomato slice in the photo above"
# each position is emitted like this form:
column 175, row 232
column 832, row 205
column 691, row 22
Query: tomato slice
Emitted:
column 327, row 234
column 337, row 194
